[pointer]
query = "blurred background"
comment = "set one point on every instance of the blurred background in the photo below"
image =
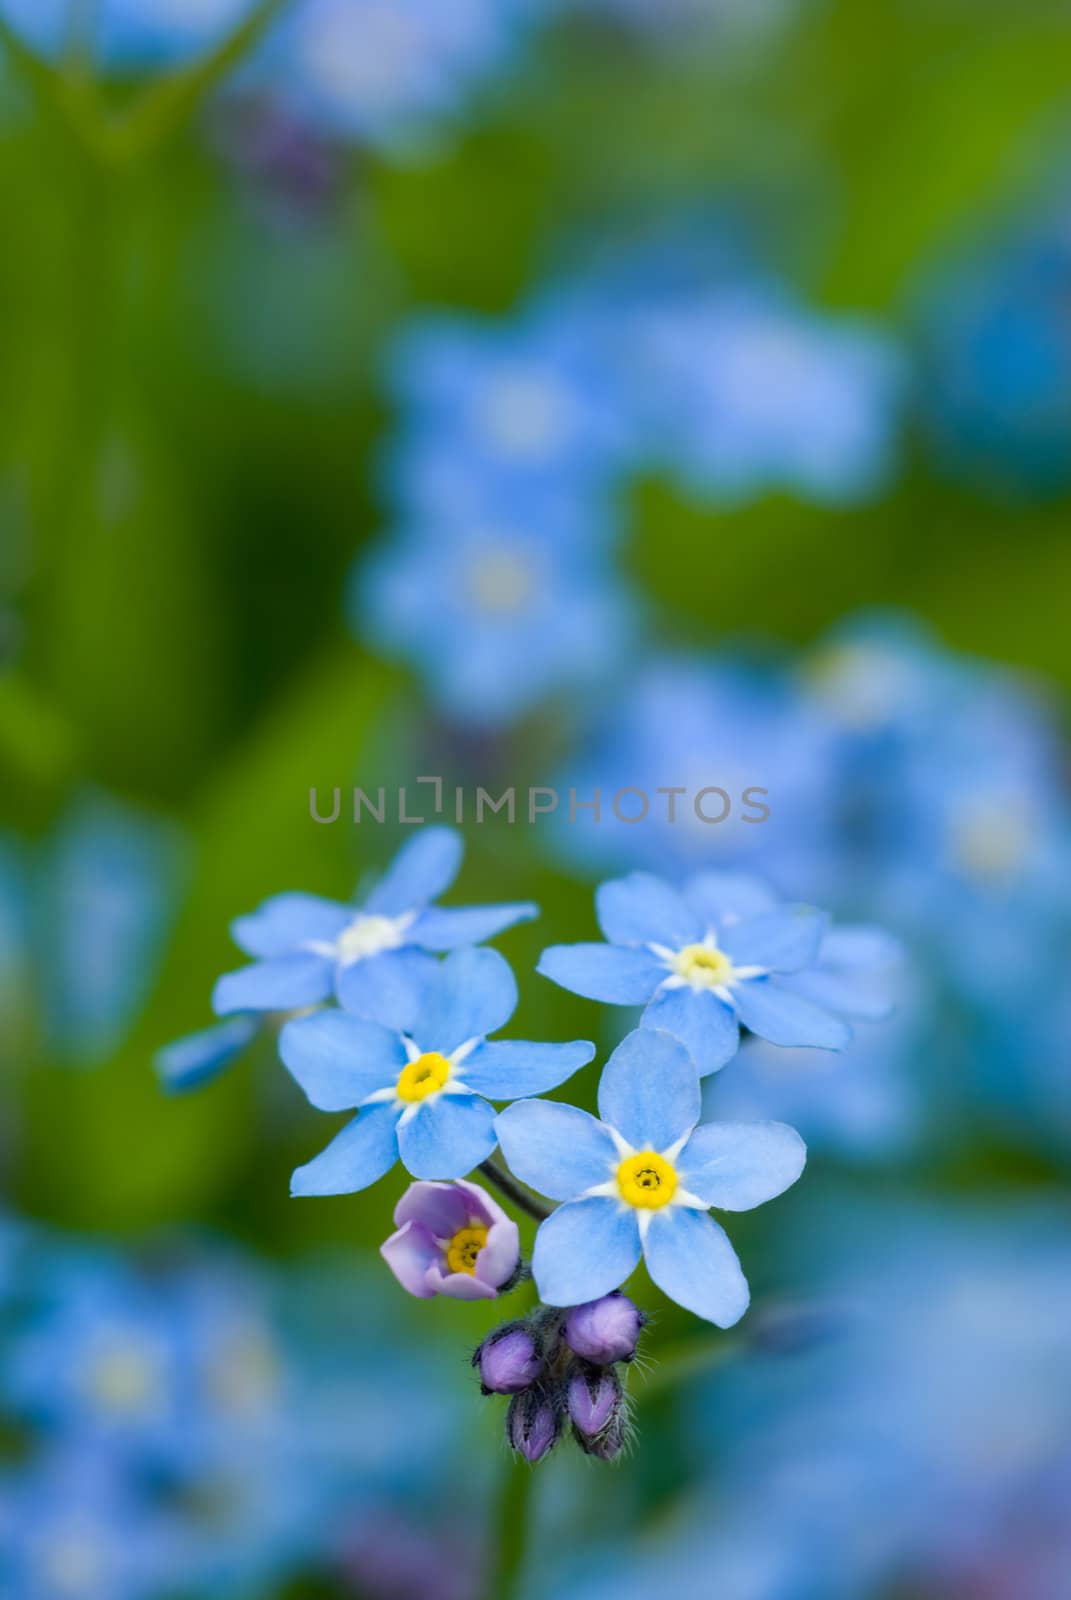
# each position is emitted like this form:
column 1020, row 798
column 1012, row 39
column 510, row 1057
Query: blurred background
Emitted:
column 595, row 394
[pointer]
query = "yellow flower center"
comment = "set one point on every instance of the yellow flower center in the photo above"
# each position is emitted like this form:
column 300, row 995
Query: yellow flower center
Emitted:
column 124, row 1379
column 423, row 1076
column 646, row 1180
column 501, row 583
column 703, row 965
column 464, row 1247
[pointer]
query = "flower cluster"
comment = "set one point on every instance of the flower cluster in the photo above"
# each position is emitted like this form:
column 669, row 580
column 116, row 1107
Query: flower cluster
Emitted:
column 388, row 1014
column 180, row 1431
column 514, row 441
column 560, row 1372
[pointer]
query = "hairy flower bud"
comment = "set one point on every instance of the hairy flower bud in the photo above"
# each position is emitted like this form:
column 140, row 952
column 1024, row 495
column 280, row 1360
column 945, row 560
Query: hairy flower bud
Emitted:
column 606, row 1330
column 532, row 1424
column 594, row 1398
column 508, row 1360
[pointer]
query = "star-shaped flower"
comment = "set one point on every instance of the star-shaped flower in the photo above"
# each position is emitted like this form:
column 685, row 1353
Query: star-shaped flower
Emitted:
column 307, row 948
column 703, row 960
column 642, row 1180
column 418, row 1076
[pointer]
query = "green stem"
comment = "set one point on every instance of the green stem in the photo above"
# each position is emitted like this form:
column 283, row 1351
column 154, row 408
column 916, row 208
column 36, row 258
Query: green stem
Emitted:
column 511, row 1522
column 513, row 1191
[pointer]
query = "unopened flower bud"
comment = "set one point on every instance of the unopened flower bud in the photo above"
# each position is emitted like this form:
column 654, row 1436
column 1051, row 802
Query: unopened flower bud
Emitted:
column 594, row 1398
column 508, row 1360
column 610, row 1442
column 606, row 1330
column 532, row 1424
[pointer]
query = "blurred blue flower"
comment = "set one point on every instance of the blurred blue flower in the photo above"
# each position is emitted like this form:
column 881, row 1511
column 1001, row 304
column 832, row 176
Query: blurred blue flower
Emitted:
column 106, row 892
column 492, row 415
column 72, row 1528
column 495, row 616
column 307, row 948
column 867, row 1102
column 122, row 33
column 720, row 952
column 642, row 1180
column 746, row 394
column 419, row 1073
column 692, row 723
column 388, row 72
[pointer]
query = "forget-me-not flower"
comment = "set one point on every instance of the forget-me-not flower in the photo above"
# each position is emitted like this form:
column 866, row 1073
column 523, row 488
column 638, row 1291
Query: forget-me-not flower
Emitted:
column 642, row 1180
column 703, row 961
column 307, row 948
column 496, row 615
column 419, row 1075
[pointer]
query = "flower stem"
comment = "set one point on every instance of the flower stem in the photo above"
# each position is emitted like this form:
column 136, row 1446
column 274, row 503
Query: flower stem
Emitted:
column 513, row 1191
column 511, row 1525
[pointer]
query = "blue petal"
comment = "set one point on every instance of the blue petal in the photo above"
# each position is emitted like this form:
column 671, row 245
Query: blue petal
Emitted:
column 782, row 941
column 424, row 867
column 440, row 929
column 390, row 988
column 189, row 1062
column 472, row 993
column 649, row 1090
column 510, row 1069
column 366, row 1148
column 605, row 972
column 702, row 1022
column 585, row 1250
column 692, row 1261
column 858, row 975
column 340, row 1060
column 643, row 909
column 738, row 1165
column 448, row 1136
column 775, row 1013
column 279, row 985
column 554, row 1148
column 716, row 896
column 287, row 921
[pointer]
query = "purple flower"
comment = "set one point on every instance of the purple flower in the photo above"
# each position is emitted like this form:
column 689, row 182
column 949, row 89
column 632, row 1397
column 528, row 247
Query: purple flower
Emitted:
column 604, row 1331
column 508, row 1360
column 452, row 1239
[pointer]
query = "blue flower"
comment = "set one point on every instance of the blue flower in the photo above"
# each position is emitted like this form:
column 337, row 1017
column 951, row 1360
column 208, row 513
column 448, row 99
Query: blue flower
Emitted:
column 418, row 1075
column 308, row 948
column 642, row 1180
column 493, row 415
column 719, row 953
column 387, row 71
column 750, row 393
column 497, row 615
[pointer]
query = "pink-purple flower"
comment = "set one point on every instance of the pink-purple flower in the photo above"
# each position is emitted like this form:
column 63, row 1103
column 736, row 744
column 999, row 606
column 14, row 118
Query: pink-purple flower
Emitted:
column 452, row 1239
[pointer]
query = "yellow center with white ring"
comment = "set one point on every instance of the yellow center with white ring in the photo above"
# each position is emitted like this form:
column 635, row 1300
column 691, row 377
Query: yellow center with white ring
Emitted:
column 422, row 1077
column 646, row 1180
column 704, row 966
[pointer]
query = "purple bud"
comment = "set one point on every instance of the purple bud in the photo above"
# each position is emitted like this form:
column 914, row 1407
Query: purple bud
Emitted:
column 594, row 1399
column 604, row 1330
column 610, row 1442
column 508, row 1360
column 532, row 1424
